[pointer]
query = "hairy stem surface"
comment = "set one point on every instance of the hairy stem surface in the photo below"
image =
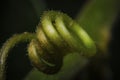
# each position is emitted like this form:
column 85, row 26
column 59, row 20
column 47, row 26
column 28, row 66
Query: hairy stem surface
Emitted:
column 8, row 45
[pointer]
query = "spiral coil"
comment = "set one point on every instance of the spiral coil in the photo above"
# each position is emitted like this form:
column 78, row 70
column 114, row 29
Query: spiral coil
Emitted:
column 58, row 35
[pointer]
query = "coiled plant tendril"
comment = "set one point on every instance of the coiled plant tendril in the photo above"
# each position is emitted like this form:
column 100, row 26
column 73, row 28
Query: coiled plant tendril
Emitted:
column 56, row 36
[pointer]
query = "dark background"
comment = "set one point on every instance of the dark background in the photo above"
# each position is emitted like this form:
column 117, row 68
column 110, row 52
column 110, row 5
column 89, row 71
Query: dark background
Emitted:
column 18, row 16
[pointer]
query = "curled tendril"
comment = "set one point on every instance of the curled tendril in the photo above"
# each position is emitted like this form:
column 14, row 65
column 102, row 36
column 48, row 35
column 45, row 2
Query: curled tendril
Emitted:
column 56, row 36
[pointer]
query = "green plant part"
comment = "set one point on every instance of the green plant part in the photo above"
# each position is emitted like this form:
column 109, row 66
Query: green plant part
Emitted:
column 97, row 18
column 8, row 45
column 56, row 36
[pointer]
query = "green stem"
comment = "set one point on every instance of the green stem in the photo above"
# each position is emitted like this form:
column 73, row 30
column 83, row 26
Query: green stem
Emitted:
column 8, row 45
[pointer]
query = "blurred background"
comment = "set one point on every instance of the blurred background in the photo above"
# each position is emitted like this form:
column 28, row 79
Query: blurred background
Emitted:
column 18, row 16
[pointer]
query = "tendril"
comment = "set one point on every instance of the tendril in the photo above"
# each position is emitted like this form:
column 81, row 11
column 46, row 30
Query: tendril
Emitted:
column 56, row 36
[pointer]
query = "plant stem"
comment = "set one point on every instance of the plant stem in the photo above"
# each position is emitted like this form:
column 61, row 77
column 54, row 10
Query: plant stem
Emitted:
column 8, row 45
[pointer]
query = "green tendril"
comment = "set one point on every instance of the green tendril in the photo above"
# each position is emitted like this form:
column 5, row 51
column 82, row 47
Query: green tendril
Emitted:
column 8, row 45
column 56, row 36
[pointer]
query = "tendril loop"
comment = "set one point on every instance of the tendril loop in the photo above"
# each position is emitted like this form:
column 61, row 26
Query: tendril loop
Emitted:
column 57, row 36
